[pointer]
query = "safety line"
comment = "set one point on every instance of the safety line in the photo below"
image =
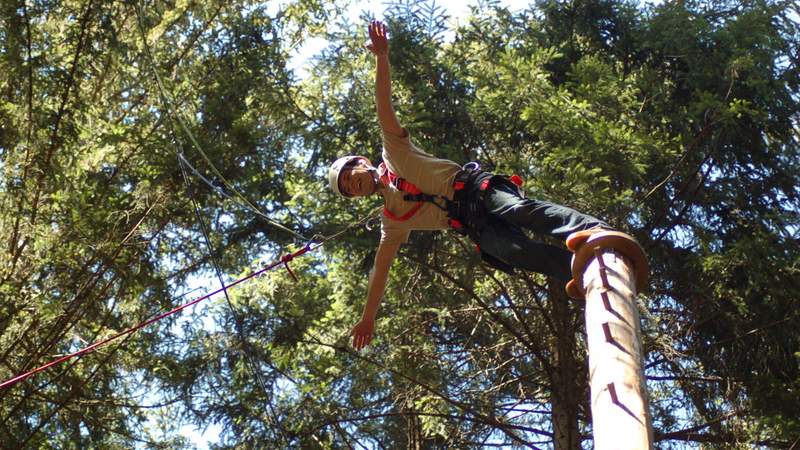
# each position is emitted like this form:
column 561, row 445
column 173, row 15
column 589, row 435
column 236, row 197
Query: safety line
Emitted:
column 283, row 260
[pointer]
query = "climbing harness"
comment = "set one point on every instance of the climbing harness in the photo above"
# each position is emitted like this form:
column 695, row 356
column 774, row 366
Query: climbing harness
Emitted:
column 389, row 177
column 466, row 212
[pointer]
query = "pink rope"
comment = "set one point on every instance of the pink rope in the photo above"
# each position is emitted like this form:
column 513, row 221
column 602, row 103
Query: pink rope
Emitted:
column 284, row 260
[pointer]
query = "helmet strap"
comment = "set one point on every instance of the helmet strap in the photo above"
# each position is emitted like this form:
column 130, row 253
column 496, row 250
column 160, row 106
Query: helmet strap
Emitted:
column 376, row 178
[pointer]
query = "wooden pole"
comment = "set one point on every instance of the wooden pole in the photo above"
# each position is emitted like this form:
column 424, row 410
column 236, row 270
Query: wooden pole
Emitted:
column 609, row 267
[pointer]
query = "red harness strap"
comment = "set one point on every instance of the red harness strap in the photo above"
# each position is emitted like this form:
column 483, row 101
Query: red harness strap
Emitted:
column 400, row 183
column 389, row 177
column 405, row 216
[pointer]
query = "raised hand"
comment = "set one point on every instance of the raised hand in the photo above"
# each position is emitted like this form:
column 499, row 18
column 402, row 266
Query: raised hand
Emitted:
column 379, row 43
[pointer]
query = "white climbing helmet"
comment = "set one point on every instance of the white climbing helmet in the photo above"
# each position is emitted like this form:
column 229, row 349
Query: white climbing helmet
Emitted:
column 336, row 169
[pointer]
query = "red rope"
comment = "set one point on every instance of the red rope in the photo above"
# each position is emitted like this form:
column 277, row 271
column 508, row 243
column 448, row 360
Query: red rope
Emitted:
column 284, row 260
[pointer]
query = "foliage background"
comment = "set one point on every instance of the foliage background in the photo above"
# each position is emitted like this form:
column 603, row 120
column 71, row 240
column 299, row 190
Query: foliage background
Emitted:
column 676, row 122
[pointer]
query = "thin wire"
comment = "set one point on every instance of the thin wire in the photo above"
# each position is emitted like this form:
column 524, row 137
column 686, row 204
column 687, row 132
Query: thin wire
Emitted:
column 238, row 325
column 374, row 214
column 172, row 114
column 211, row 184
column 167, row 102
column 222, row 190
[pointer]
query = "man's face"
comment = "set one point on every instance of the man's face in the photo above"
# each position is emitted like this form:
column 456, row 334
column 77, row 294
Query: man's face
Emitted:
column 357, row 181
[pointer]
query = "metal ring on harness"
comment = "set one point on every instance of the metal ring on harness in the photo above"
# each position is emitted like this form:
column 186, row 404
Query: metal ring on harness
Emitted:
column 472, row 165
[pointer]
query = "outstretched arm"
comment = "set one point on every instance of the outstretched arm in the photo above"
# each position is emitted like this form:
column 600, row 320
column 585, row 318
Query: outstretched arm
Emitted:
column 379, row 46
column 363, row 331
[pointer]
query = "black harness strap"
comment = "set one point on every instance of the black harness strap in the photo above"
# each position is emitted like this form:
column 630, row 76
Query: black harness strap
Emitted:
column 467, row 213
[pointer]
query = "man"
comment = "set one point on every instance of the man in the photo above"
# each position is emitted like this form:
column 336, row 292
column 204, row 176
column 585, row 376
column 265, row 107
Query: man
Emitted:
column 422, row 192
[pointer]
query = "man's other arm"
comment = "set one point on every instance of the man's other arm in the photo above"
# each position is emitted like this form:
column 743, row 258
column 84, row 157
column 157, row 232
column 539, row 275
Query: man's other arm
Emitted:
column 364, row 330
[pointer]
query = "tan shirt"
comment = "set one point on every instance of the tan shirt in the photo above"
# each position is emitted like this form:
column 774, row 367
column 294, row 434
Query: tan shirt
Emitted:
column 431, row 174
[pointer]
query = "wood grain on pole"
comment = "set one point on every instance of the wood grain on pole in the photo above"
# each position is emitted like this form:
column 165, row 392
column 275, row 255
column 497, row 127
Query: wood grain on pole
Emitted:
column 620, row 413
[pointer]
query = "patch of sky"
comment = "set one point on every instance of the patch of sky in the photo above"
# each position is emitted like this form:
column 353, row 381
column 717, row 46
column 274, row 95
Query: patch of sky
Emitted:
column 455, row 12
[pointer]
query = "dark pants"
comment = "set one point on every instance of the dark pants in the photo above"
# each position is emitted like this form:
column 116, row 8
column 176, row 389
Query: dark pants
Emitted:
column 510, row 212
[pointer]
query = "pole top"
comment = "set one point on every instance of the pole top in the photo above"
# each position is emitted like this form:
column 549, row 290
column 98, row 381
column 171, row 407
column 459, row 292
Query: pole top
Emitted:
column 623, row 243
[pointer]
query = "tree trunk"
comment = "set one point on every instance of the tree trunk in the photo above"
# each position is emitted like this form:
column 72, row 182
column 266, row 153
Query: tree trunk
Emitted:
column 565, row 392
column 413, row 432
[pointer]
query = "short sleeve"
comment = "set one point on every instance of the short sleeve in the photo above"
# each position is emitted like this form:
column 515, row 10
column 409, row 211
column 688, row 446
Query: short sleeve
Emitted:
column 393, row 235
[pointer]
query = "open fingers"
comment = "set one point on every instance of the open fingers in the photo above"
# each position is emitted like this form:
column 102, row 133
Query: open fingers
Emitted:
column 361, row 340
column 377, row 30
column 372, row 33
